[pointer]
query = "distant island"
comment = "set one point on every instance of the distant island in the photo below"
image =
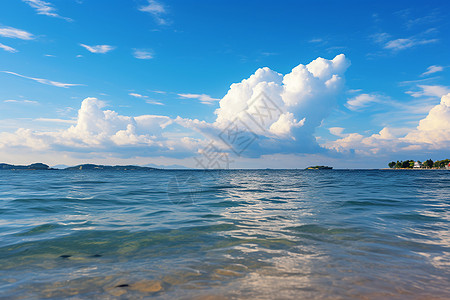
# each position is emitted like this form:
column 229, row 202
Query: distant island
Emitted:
column 109, row 168
column 319, row 168
column 41, row 166
column 37, row 166
column 428, row 164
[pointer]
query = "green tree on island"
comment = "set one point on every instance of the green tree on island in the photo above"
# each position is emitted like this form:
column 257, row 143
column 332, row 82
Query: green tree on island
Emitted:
column 428, row 163
column 441, row 163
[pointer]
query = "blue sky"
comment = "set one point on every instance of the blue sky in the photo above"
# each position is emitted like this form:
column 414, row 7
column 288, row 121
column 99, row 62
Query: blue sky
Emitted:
column 161, row 69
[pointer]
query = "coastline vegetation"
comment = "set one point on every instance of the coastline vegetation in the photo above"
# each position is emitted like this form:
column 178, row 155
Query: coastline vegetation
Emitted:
column 319, row 168
column 428, row 164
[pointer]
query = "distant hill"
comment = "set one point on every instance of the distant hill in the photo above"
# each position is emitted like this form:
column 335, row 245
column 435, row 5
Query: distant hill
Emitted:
column 108, row 168
column 40, row 166
column 36, row 166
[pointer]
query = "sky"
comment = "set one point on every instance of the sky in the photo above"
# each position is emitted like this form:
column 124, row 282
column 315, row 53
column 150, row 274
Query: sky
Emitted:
column 224, row 84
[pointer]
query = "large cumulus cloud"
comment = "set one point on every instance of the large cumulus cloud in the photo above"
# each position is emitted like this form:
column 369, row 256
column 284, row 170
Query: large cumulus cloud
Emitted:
column 98, row 130
column 299, row 102
column 433, row 131
column 432, row 134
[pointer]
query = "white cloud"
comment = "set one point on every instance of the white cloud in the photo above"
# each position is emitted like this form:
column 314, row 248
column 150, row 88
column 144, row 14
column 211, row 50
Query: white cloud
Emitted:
column 351, row 91
column 434, row 130
column 361, row 101
column 433, row 69
column 15, row 33
column 149, row 101
column 142, row 54
column 317, row 40
column 153, row 102
column 45, row 81
column 203, row 98
column 337, row 131
column 282, row 111
column 285, row 124
column 21, row 101
column 44, row 8
column 7, row 48
column 156, row 9
column 137, row 95
column 153, row 7
column 98, row 48
column 56, row 120
column 381, row 37
column 432, row 134
column 401, row 44
column 430, row 90
column 98, row 131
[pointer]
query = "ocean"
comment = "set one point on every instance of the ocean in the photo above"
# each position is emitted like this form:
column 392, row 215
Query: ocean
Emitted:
column 225, row 234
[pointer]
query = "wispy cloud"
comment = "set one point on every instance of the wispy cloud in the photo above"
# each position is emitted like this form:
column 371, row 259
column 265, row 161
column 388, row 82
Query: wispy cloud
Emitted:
column 362, row 101
column 354, row 90
column 137, row 95
column 44, row 81
column 15, row 33
column 316, row 40
column 21, row 101
column 433, row 69
column 56, row 120
column 98, row 48
column 402, row 44
column 156, row 9
column 142, row 54
column 153, row 102
column 7, row 48
column 411, row 21
column 386, row 41
column 430, row 90
column 380, row 37
column 203, row 98
column 149, row 101
column 44, row 8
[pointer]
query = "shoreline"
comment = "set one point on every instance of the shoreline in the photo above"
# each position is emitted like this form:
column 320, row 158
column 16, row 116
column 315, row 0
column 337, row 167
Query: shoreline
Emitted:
column 416, row 169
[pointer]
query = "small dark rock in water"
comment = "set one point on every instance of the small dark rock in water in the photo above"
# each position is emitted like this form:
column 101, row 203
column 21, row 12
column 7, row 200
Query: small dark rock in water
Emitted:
column 65, row 256
column 96, row 255
column 122, row 285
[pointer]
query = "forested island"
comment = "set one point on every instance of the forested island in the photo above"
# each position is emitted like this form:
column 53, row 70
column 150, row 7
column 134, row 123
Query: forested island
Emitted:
column 428, row 164
column 319, row 168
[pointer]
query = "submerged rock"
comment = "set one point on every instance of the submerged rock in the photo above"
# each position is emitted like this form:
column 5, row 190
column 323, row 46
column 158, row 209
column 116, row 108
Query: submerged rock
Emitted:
column 147, row 286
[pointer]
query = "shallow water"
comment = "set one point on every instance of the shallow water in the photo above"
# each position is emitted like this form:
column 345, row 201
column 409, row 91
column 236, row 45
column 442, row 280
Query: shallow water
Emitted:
column 289, row 234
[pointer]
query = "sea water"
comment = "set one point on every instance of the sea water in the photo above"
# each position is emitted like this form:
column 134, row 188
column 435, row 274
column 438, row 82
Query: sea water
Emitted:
column 262, row 234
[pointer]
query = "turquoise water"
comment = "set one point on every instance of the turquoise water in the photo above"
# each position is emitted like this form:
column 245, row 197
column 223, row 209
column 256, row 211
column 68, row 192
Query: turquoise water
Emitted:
column 267, row 234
